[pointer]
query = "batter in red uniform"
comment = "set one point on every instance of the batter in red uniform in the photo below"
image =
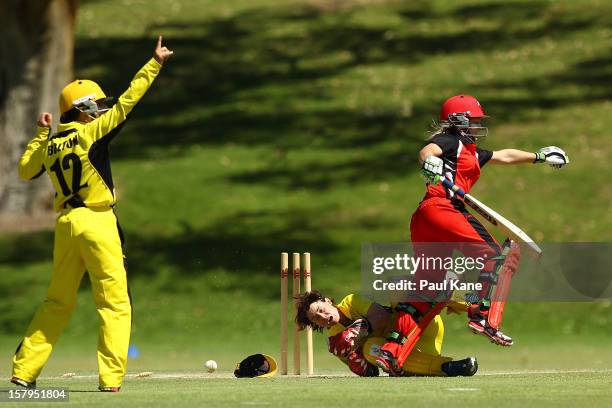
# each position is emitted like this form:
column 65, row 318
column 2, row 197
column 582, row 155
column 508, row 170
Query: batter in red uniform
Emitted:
column 441, row 217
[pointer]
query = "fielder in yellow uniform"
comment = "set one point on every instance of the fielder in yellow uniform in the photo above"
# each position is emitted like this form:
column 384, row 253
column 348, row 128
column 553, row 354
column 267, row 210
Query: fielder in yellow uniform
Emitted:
column 357, row 327
column 87, row 233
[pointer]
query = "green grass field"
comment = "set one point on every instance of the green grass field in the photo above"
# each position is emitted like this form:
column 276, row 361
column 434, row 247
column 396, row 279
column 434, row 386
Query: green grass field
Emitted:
column 535, row 374
column 509, row 389
column 293, row 125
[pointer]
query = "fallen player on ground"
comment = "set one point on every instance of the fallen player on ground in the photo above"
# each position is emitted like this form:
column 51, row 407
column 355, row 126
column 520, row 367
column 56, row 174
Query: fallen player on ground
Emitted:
column 357, row 327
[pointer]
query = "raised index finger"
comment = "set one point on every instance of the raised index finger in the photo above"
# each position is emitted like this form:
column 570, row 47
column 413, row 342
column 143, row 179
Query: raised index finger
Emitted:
column 159, row 42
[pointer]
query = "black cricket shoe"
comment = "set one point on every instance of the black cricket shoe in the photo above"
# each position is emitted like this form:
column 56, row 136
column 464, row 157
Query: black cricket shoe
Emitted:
column 465, row 368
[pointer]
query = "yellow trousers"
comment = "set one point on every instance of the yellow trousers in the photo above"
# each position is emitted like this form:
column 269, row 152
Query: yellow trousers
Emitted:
column 86, row 239
column 425, row 359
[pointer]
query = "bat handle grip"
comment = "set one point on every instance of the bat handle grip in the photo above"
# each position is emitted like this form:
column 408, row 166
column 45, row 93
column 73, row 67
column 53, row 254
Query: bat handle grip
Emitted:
column 450, row 185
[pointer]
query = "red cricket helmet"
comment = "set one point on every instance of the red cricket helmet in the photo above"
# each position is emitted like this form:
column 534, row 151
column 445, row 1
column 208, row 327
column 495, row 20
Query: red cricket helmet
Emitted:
column 461, row 104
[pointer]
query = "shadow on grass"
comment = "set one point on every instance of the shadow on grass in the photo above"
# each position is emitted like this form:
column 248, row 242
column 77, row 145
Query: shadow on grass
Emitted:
column 203, row 97
column 241, row 246
column 241, row 243
column 22, row 249
column 590, row 75
column 232, row 82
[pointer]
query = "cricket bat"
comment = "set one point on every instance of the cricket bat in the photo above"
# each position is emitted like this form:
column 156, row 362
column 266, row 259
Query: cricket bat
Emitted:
column 508, row 228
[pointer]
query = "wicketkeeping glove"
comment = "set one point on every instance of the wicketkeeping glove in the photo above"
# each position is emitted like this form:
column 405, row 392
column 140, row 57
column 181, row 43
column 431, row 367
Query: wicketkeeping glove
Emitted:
column 347, row 341
column 432, row 169
column 554, row 156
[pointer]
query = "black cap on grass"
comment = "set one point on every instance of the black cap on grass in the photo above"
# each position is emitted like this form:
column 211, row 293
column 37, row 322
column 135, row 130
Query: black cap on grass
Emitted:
column 256, row 365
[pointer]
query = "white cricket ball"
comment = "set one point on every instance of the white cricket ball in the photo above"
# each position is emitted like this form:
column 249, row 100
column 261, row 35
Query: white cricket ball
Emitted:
column 211, row 366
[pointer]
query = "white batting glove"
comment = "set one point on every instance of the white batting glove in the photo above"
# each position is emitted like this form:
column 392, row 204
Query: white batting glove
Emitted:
column 553, row 156
column 432, row 169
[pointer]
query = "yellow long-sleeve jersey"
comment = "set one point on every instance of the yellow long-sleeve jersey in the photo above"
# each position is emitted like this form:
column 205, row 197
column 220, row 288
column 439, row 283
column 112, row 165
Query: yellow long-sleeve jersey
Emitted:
column 76, row 158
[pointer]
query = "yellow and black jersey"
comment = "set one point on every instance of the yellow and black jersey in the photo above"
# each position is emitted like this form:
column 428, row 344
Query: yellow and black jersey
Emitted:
column 355, row 307
column 76, row 158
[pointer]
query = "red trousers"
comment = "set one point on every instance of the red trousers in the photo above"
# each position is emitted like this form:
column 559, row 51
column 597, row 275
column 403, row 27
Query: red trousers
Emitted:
column 438, row 228
column 452, row 227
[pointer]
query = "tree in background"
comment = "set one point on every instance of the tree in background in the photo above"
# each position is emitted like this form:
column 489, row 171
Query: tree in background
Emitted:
column 36, row 57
